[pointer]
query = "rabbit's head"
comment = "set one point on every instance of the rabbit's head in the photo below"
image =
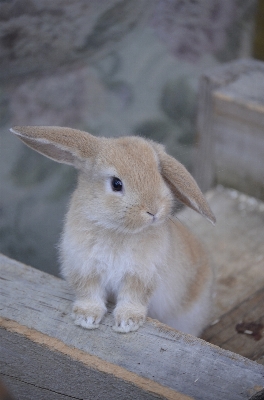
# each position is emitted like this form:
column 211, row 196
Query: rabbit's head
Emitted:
column 126, row 183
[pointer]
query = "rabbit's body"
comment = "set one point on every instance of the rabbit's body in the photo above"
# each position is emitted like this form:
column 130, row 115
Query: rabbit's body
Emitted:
column 120, row 240
column 181, row 296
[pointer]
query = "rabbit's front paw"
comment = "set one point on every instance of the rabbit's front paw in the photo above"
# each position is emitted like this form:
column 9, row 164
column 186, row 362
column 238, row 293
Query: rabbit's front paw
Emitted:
column 128, row 319
column 88, row 314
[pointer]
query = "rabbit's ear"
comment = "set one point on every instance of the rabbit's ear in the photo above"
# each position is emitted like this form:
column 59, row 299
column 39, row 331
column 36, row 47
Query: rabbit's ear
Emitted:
column 182, row 184
column 65, row 145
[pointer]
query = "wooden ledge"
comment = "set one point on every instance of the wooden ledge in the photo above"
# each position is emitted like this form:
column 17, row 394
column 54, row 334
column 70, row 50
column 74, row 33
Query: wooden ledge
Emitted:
column 235, row 244
column 44, row 355
column 241, row 329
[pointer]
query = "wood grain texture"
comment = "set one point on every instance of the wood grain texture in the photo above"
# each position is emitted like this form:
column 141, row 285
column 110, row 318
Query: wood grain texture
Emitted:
column 26, row 391
column 225, row 332
column 230, row 127
column 102, row 372
column 47, row 373
column 36, row 307
column 239, row 134
column 235, row 243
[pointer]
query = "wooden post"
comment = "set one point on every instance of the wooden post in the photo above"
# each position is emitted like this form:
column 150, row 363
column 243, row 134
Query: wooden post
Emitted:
column 230, row 128
column 45, row 356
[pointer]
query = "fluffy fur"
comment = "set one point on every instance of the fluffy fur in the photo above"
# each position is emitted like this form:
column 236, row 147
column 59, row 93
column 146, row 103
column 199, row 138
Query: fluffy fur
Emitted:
column 126, row 246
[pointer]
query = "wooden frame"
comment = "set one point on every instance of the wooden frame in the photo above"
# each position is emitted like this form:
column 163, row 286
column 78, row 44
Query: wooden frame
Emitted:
column 44, row 355
column 230, row 128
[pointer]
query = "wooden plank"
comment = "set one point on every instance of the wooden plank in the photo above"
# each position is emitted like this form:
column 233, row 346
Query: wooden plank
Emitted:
column 235, row 243
column 230, row 126
column 242, row 329
column 239, row 134
column 35, row 370
column 25, row 391
column 96, row 371
column 157, row 359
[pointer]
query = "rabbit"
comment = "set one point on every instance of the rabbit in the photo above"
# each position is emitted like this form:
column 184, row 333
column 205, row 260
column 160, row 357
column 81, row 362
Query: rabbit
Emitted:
column 121, row 241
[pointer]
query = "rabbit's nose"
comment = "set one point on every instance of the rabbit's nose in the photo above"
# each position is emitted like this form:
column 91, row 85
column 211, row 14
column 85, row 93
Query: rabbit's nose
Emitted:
column 152, row 215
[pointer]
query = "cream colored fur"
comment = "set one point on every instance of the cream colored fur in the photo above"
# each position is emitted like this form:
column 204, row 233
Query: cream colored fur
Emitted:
column 126, row 246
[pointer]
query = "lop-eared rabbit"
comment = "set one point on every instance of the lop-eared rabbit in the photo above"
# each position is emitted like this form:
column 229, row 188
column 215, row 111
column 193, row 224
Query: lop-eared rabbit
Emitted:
column 121, row 240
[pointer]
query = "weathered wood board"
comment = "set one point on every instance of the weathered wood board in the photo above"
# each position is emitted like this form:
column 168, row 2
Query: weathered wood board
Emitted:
column 235, row 243
column 241, row 330
column 60, row 375
column 230, row 127
column 42, row 351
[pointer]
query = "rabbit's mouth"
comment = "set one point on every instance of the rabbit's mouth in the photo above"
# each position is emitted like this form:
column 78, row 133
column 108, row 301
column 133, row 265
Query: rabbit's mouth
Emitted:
column 153, row 217
column 149, row 222
column 146, row 220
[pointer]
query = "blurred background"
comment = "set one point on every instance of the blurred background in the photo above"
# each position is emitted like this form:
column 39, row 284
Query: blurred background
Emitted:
column 109, row 67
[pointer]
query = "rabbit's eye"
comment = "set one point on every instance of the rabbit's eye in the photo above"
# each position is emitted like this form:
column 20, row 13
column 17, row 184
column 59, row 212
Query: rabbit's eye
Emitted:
column 116, row 184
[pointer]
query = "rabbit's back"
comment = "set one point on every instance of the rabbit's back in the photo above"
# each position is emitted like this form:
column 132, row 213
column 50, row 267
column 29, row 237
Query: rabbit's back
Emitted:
column 183, row 296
